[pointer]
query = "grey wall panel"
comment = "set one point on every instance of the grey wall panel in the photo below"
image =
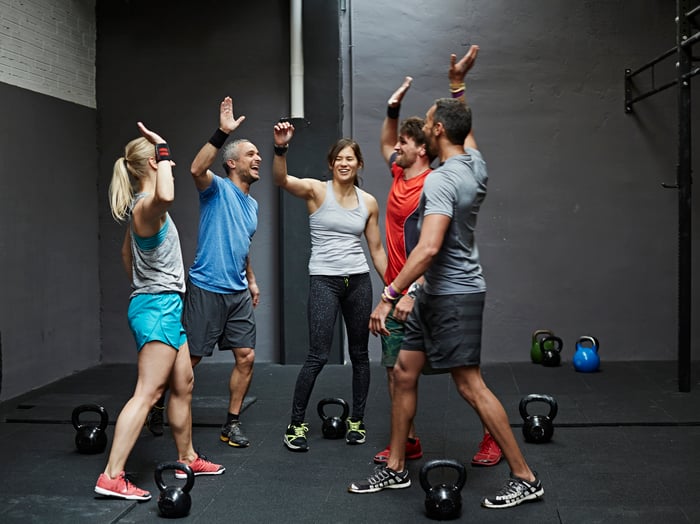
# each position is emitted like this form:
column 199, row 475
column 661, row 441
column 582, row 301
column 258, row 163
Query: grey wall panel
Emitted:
column 49, row 293
column 576, row 234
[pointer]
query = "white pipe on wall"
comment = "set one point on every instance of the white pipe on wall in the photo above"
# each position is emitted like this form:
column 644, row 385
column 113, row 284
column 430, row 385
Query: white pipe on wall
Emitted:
column 296, row 60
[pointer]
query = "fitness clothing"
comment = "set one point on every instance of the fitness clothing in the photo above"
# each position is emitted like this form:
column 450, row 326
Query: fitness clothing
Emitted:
column 339, row 278
column 228, row 219
column 158, row 281
column 353, row 295
column 218, row 306
column 401, row 218
column 212, row 319
column 336, row 233
column 156, row 261
column 456, row 189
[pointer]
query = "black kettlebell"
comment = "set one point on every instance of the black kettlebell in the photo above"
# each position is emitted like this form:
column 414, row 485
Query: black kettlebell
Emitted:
column 174, row 501
column 90, row 439
column 333, row 427
column 443, row 501
column 538, row 428
column 551, row 353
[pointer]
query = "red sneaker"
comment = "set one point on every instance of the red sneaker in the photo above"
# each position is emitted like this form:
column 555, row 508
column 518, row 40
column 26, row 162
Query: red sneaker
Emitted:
column 489, row 453
column 120, row 487
column 201, row 466
column 413, row 451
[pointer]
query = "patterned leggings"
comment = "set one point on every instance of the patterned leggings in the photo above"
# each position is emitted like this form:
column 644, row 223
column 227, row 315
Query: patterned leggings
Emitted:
column 353, row 295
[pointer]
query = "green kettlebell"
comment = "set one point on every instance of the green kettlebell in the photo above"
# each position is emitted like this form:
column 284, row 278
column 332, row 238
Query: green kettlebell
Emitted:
column 535, row 349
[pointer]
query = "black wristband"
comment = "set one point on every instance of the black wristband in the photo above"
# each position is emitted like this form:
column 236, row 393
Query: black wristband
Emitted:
column 162, row 152
column 281, row 150
column 218, row 138
column 393, row 112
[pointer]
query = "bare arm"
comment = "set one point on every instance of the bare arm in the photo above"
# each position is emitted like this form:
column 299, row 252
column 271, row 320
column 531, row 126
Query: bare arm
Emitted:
column 306, row 188
column 390, row 126
column 252, row 283
column 456, row 74
column 374, row 237
column 205, row 158
column 127, row 260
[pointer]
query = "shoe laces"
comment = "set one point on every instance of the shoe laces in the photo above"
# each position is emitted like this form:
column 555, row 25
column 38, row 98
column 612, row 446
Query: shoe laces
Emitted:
column 512, row 489
column 488, row 444
column 300, row 430
column 354, row 425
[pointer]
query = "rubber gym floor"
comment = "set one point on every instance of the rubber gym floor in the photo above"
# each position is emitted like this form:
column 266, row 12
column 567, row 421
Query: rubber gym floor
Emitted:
column 625, row 448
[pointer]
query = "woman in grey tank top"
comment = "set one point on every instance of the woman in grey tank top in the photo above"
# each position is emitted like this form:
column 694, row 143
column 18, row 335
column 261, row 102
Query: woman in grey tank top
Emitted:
column 152, row 259
column 339, row 214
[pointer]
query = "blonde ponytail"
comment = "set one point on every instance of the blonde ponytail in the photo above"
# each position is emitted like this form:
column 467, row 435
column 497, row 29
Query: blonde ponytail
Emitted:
column 134, row 162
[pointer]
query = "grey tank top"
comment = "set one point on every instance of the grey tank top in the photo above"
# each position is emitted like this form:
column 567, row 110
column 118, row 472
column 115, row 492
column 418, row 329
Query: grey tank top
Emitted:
column 157, row 261
column 336, row 232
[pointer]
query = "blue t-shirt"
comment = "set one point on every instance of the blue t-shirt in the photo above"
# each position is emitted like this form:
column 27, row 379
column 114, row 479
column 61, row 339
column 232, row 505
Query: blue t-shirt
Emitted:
column 456, row 189
column 228, row 219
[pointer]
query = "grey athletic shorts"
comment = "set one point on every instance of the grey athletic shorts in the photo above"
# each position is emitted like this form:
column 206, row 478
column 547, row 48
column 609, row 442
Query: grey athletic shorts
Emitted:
column 447, row 328
column 211, row 319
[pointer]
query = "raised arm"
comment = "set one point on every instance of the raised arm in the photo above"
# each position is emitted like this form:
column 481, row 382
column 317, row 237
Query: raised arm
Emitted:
column 390, row 126
column 305, row 188
column 456, row 74
column 205, row 158
column 374, row 237
column 149, row 215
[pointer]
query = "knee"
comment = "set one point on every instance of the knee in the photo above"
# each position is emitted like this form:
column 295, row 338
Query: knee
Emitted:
column 245, row 358
column 403, row 378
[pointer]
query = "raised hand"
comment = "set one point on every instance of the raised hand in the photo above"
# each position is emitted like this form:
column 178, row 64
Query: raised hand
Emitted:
column 227, row 121
column 151, row 136
column 395, row 99
column 283, row 132
column 458, row 70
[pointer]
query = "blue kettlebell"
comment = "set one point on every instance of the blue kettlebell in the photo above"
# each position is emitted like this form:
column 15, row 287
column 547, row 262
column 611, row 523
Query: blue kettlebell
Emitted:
column 586, row 359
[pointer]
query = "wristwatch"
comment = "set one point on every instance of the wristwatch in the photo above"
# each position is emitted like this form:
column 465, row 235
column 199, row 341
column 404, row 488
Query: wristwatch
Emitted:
column 413, row 289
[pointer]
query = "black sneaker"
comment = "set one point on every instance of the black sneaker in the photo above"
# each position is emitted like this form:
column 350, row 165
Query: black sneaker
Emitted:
column 516, row 491
column 232, row 433
column 383, row 478
column 154, row 421
column 295, row 437
column 355, row 433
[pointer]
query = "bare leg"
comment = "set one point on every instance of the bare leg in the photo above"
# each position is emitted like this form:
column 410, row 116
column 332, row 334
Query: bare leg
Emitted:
column 241, row 377
column 390, row 383
column 473, row 389
column 403, row 404
column 180, row 405
column 155, row 362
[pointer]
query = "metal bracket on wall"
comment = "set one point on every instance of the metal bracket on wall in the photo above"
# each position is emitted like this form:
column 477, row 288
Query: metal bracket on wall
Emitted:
column 685, row 18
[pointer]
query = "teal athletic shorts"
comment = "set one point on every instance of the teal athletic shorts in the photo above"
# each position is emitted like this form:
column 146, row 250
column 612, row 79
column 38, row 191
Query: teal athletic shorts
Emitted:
column 391, row 344
column 157, row 318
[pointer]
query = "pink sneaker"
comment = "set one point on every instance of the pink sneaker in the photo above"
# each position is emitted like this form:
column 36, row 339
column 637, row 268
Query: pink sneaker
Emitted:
column 201, row 466
column 489, row 453
column 413, row 451
column 120, row 487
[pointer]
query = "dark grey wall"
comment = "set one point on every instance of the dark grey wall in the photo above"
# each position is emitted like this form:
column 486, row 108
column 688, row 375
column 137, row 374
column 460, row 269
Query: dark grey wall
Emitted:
column 576, row 234
column 170, row 67
column 49, row 293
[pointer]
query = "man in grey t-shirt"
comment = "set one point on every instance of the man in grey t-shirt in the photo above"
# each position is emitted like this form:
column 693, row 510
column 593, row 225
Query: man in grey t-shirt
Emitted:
column 444, row 326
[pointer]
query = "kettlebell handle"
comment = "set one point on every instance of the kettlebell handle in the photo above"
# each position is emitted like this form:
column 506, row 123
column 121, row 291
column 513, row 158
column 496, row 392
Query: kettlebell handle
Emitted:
column 158, row 475
column 442, row 463
column 541, row 333
column 335, row 401
column 587, row 338
column 75, row 418
column 538, row 397
column 557, row 343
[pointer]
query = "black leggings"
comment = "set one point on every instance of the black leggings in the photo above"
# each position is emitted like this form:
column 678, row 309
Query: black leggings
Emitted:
column 353, row 295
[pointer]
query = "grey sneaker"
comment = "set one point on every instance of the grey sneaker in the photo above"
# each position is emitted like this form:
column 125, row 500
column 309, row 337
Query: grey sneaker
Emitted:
column 233, row 434
column 295, row 437
column 516, row 491
column 383, row 478
column 356, row 432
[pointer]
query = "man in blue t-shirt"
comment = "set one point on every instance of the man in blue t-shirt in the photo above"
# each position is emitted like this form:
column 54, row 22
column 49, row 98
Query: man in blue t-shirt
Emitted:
column 221, row 287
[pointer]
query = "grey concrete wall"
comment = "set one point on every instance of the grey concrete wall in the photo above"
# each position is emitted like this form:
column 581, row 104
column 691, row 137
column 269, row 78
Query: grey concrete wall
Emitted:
column 49, row 292
column 576, row 234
